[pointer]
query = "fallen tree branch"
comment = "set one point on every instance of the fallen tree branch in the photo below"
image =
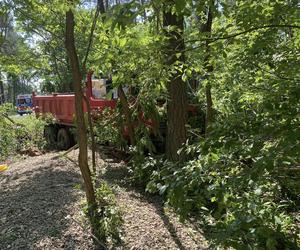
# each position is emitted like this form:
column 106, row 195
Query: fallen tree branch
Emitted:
column 127, row 114
column 11, row 120
column 71, row 160
column 69, row 150
column 65, row 153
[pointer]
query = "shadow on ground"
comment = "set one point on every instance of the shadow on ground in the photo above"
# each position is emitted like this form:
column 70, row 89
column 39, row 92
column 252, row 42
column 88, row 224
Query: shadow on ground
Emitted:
column 35, row 205
column 117, row 175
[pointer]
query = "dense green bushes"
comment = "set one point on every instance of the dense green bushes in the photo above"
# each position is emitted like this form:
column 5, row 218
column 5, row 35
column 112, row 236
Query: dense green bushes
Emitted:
column 107, row 128
column 235, row 179
column 106, row 220
column 239, row 178
column 19, row 135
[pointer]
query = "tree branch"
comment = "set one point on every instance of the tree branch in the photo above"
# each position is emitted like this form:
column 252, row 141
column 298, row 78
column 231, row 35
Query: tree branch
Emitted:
column 99, row 9
column 214, row 39
column 254, row 29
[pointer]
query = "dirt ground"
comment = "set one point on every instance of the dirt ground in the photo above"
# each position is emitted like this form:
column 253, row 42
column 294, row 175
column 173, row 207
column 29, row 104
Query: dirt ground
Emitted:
column 40, row 208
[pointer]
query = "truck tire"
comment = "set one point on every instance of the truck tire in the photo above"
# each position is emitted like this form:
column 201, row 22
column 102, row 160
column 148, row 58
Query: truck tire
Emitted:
column 50, row 133
column 63, row 139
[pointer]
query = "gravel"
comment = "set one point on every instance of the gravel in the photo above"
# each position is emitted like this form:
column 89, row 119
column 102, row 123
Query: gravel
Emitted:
column 40, row 208
column 38, row 203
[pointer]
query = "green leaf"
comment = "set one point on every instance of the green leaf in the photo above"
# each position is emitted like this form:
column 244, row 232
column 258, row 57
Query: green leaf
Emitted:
column 180, row 5
column 258, row 191
column 271, row 244
column 122, row 42
column 162, row 189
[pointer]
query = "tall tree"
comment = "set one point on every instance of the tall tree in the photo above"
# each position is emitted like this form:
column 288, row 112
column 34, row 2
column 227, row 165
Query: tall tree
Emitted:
column 173, row 23
column 206, row 28
column 80, row 121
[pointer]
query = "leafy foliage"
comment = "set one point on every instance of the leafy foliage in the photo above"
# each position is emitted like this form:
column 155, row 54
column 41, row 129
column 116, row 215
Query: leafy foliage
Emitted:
column 242, row 178
column 107, row 218
column 237, row 178
column 107, row 128
column 24, row 135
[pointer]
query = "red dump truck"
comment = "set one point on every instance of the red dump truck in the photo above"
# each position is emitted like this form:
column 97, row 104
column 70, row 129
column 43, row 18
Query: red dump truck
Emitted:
column 62, row 107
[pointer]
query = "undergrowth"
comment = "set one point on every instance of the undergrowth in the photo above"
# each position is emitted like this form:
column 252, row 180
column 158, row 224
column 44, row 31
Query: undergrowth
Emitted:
column 237, row 184
column 19, row 135
column 107, row 128
column 241, row 180
column 106, row 218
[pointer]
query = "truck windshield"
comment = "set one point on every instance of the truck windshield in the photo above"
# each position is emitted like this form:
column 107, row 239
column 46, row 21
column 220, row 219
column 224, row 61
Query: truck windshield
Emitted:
column 24, row 101
column 21, row 101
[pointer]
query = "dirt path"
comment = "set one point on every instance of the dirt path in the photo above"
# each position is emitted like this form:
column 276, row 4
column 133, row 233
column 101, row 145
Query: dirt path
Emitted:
column 40, row 209
column 37, row 202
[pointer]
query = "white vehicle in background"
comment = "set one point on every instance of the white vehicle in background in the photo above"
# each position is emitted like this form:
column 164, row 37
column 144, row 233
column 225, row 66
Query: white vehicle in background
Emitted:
column 24, row 104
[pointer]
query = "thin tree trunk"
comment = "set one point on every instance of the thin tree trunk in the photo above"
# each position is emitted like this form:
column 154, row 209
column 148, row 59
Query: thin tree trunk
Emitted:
column 127, row 114
column 177, row 90
column 80, row 121
column 144, row 11
column 158, row 22
column 14, row 88
column 106, row 5
column 209, row 69
column 2, row 98
column 91, row 127
column 99, row 10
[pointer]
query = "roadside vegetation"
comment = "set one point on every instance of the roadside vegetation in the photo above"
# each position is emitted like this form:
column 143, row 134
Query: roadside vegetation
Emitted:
column 19, row 135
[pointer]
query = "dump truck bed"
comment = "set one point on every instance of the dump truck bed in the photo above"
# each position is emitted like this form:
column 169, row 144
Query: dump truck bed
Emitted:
column 62, row 106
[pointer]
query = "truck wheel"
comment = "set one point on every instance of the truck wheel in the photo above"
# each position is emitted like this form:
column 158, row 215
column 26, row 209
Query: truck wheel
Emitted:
column 73, row 136
column 63, row 139
column 50, row 134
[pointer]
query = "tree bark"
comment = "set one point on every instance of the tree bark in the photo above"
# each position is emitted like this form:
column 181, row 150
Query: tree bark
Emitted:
column 144, row 11
column 91, row 127
column 177, row 90
column 209, row 69
column 127, row 114
column 99, row 10
column 2, row 97
column 80, row 121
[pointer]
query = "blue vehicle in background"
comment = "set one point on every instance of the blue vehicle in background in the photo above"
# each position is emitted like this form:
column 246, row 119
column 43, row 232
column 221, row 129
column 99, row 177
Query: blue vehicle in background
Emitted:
column 24, row 104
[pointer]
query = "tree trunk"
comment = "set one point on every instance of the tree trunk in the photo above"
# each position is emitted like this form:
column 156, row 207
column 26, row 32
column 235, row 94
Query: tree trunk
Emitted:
column 177, row 90
column 91, row 127
column 209, row 69
column 99, row 10
column 144, row 11
column 127, row 114
column 80, row 121
column 2, row 98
